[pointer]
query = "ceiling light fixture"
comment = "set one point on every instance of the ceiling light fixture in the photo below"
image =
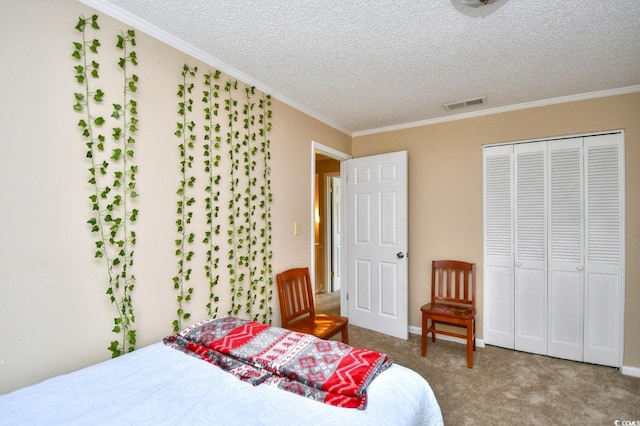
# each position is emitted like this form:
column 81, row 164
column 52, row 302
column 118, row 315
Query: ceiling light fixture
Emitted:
column 476, row 3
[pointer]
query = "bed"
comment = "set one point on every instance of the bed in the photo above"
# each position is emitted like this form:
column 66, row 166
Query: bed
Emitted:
column 161, row 384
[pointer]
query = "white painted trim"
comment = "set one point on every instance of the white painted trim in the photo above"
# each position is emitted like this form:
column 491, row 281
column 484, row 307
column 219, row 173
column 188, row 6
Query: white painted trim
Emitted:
column 623, row 242
column 507, row 108
column 418, row 331
column 624, row 370
column 169, row 39
column 328, row 213
column 630, row 371
column 317, row 147
column 148, row 28
column 329, row 152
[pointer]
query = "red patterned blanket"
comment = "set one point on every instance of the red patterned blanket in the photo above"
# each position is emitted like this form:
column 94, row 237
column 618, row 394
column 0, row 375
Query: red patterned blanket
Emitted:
column 326, row 371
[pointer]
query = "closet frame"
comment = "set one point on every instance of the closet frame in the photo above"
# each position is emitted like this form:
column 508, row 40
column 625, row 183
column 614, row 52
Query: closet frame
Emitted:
column 553, row 246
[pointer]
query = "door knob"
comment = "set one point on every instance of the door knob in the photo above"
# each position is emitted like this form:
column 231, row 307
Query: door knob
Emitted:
column 400, row 255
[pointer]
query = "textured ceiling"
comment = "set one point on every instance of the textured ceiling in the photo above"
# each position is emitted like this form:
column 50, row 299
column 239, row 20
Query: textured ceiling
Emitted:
column 362, row 66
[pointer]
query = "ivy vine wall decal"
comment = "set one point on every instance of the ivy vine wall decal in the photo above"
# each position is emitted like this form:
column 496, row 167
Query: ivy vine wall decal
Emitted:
column 112, row 171
column 265, row 280
column 247, row 287
column 234, row 198
column 186, row 132
column 212, row 149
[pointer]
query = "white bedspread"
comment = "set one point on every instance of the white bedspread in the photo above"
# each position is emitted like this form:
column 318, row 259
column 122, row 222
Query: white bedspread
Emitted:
column 158, row 385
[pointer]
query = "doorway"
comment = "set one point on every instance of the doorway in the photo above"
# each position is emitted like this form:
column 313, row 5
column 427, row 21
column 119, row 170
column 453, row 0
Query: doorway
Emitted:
column 374, row 289
column 326, row 239
column 327, row 169
column 333, row 230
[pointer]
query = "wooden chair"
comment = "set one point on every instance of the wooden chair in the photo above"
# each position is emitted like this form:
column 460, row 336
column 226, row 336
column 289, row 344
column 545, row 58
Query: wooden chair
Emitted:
column 298, row 311
column 453, row 293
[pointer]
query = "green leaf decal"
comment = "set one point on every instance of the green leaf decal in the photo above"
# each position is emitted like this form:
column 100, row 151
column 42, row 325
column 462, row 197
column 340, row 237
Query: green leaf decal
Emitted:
column 112, row 177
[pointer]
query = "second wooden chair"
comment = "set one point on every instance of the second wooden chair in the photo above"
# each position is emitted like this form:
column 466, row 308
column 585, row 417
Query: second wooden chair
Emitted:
column 453, row 303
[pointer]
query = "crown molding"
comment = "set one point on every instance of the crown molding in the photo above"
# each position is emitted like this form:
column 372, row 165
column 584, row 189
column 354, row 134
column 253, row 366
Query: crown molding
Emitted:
column 498, row 110
column 163, row 36
column 148, row 28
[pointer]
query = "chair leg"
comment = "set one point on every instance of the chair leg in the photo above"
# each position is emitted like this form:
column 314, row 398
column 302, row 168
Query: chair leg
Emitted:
column 474, row 334
column 345, row 335
column 470, row 344
column 425, row 333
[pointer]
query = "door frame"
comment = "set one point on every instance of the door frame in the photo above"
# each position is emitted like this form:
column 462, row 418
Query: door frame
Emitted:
column 328, row 214
column 318, row 148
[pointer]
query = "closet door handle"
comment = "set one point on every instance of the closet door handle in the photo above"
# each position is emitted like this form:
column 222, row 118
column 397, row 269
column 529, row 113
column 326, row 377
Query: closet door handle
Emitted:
column 580, row 267
column 518, row 264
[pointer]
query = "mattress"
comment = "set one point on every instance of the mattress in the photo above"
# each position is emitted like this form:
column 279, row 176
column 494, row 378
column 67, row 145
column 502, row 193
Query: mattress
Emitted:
column 162, row 386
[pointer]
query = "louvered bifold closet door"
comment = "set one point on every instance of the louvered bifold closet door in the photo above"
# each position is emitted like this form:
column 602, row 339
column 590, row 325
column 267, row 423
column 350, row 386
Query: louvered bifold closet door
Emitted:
column 566, row 253
column 530, row 280
column 605, row 241
column 498, row 245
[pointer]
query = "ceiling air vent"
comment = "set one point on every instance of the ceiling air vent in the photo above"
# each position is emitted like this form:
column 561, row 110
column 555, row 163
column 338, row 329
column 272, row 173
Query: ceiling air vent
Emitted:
column 463, row 104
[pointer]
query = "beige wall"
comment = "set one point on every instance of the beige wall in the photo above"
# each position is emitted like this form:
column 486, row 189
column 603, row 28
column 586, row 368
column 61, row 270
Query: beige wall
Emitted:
column 292, row 157
column 445, row 187
column 54, row 312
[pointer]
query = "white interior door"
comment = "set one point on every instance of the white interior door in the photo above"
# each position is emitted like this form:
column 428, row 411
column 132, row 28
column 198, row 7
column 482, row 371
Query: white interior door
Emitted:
column 604, row 276
column 566, row 253
column 498, row 246
column 568, row 235
column 530, row 248
column 336, row 234
column 377, row 265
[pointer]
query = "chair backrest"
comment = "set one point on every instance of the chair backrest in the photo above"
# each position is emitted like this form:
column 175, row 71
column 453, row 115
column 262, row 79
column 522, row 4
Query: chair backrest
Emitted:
column 295, row 293
column 453, row 281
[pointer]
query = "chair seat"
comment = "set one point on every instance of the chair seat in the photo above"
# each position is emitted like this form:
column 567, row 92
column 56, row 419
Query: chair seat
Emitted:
column 463, row 313
column 322, row 325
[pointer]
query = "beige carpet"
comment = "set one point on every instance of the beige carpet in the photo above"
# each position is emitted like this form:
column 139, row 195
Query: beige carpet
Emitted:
column 328, row 303
column 506, row 387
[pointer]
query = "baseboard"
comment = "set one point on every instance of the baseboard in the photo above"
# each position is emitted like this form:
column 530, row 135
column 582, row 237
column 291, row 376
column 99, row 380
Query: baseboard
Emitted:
column 624, row 370
column 630, row 371
column 418, row 331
